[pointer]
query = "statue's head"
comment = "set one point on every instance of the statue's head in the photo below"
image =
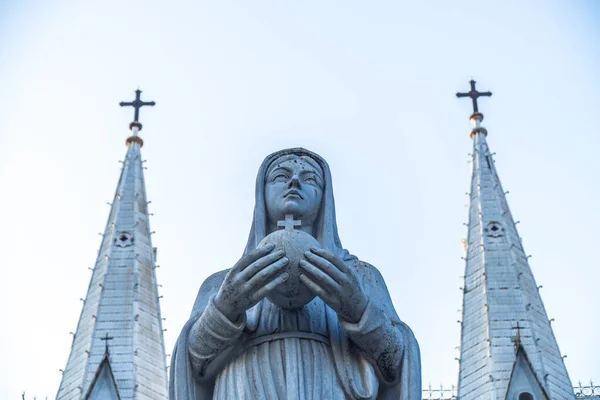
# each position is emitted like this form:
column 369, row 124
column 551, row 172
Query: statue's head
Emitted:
column 294, row 186
column 295, row 182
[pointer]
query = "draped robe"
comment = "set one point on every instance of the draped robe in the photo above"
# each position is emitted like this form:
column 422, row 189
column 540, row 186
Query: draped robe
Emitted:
column 309, row 353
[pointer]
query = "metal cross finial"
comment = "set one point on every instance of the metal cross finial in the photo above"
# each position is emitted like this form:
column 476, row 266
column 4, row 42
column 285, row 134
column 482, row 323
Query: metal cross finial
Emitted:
column 289, row 222
column 106, row 339
column 474, row 94
column 518, row 337
column 137, row 104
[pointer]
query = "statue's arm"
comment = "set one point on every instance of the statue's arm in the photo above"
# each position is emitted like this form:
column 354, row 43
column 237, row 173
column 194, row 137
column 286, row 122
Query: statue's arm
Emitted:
column 219, row 315
column 213, row 336
column 388, row 342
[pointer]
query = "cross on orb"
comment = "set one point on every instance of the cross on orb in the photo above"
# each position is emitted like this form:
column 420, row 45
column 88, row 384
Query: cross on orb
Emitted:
column 106, row 339
column 474, row 95
column 289, row 223
column 137, row 104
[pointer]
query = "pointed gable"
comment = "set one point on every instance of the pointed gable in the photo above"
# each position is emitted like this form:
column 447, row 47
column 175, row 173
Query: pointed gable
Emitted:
column 104, row 386
column 524, row 384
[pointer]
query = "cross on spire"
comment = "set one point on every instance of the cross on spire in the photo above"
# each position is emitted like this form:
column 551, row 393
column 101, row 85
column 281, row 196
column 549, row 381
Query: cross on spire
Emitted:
column 137, row 104
column 289, row 223
column 518, row 337
column 106, row 339
column 474, row 95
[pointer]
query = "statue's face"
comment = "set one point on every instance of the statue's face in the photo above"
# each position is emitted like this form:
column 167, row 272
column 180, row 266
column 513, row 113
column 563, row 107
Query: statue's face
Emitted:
column 294, row 187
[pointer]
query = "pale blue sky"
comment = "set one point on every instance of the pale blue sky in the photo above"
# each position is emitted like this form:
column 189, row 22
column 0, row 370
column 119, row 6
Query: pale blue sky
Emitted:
column 368, row 85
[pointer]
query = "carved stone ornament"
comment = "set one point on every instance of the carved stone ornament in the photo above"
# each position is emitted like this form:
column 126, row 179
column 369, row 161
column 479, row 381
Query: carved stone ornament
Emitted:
column 124, row 239
column 298, row 316
column 494, row 229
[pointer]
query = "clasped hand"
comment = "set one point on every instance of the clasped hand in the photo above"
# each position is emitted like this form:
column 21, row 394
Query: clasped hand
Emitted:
column 259, row 272
column 335, row 283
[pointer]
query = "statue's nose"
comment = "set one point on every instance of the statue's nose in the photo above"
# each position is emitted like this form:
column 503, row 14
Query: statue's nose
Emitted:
column 294, row 182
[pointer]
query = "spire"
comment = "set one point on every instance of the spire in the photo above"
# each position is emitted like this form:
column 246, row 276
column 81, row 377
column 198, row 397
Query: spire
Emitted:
column 506, row 334
column 122, row 303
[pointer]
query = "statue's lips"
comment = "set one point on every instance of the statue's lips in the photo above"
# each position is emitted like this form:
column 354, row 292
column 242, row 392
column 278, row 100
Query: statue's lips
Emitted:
column 293, row 193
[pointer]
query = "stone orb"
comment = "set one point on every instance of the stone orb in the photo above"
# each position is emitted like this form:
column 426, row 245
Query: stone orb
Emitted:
column 291, row 294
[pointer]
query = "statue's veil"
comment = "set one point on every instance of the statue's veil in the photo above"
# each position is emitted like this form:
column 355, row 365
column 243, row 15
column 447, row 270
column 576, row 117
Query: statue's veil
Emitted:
column 325, row 230
column 357, row 375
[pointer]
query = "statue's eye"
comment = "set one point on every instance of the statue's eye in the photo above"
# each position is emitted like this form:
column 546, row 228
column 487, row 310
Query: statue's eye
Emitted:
column 310, row 179
column 280, row 178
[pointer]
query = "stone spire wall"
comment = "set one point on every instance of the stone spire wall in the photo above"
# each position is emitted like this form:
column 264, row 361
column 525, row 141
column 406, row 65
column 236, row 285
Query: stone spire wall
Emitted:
column 122, row 300
column 502, row 307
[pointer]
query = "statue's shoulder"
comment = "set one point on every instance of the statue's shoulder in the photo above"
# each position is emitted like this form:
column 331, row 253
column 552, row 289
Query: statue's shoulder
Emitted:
column 367, row 269
column 370, row 273
column 376, row 288
column 213, row 282
column 209, row 288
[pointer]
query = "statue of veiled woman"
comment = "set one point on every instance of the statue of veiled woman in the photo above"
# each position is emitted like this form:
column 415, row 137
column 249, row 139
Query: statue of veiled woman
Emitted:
column 346, row 342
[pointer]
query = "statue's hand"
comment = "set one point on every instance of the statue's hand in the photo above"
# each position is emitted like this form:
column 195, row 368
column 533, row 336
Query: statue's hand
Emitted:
column 250, row 280
column 329, row 277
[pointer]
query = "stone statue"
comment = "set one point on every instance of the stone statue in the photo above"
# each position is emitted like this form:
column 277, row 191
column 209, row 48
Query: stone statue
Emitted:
column 297, row 317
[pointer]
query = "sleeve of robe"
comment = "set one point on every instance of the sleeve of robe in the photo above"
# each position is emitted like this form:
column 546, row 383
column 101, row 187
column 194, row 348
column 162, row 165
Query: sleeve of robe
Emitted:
column 387, row 348
column 378, row 357
column 183, row 384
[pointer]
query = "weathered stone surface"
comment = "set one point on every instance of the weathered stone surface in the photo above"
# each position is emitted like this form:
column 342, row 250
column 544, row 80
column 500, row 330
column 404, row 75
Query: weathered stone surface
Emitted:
column 340, row 339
